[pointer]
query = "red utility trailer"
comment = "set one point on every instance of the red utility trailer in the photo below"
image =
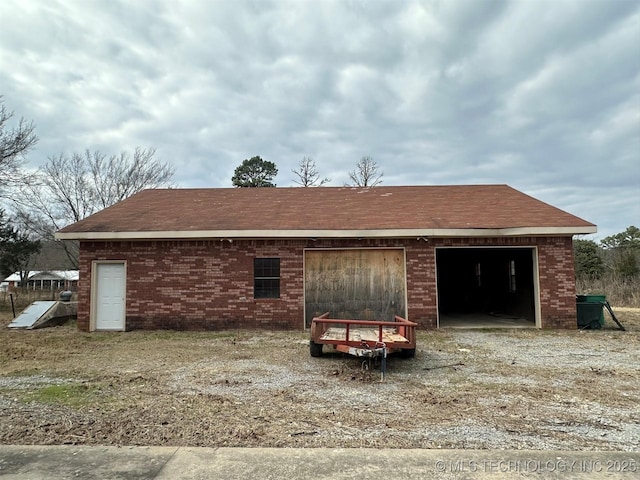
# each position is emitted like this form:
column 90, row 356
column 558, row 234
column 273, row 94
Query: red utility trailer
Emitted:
column 363, row 338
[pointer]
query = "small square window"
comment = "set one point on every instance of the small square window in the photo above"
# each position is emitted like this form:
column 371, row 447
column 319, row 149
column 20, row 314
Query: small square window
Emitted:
column 266, row 278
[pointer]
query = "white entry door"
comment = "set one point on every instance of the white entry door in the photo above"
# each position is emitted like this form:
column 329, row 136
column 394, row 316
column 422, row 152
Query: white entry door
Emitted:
column 110, row 293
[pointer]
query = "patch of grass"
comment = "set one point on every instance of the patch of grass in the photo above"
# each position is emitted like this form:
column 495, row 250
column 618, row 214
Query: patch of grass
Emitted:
column 71, row 394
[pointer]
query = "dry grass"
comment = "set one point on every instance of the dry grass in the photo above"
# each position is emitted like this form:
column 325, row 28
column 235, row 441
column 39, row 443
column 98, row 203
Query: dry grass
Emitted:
column 619, row 291
column 483, row 389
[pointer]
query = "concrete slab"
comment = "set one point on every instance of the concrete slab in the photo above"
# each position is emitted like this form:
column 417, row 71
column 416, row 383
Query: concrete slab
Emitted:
column 164, row 463
column 480, row 320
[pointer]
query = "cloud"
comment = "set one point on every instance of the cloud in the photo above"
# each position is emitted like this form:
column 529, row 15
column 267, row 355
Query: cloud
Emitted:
column 543, row 96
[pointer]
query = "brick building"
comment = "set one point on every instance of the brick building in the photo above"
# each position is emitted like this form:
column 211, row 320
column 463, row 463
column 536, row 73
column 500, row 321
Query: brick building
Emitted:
column 276, row 257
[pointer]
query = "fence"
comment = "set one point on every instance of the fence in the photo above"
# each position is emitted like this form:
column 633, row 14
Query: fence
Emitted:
column 23, row 297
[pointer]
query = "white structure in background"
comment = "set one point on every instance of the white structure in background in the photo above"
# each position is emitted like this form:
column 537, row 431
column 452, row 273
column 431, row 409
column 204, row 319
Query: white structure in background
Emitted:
column 44, row 280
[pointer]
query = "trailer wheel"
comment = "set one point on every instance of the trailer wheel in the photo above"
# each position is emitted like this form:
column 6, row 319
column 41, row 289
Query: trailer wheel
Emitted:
column 407, row 353
column 315, row 349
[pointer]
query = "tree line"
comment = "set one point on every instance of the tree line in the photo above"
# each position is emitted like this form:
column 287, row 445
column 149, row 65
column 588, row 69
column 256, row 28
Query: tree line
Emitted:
column 617, row 254
column 611, row 266
column 256, row 172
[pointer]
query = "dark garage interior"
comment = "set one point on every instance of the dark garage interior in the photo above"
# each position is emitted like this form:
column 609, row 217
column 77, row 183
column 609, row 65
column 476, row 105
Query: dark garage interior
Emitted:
column 486, row 287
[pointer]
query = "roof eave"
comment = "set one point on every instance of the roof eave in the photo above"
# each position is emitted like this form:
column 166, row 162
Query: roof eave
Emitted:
column 378, row 233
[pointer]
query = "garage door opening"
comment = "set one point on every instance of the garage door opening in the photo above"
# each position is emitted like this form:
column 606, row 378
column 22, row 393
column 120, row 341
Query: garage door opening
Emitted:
column 486, row 287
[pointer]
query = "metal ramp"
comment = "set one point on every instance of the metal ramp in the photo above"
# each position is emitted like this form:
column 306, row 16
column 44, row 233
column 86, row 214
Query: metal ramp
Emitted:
column 613, row 315
column 41, row 312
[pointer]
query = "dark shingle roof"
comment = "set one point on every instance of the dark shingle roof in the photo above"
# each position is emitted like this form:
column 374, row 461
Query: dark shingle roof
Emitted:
column 432, row 210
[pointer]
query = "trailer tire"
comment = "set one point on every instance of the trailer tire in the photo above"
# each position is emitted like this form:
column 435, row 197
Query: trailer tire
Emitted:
column 407, row 353
column 315, row 349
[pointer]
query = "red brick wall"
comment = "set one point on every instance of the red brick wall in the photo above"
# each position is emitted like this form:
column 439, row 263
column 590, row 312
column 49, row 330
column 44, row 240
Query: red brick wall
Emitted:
column 196, row 285
column 557, row 283
column 209, row 284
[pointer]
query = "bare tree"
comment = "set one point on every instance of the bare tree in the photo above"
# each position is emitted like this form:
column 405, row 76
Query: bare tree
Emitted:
column 69, row 189
column 366, row 173
column 65, row 191
column 118, row 177
column 14, row 144
column 308, row 175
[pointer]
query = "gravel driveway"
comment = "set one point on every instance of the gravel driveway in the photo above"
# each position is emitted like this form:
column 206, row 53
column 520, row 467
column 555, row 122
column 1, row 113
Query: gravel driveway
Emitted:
column 490, row 389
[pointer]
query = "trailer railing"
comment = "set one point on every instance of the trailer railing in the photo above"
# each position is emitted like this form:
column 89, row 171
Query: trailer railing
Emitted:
column 320, row 325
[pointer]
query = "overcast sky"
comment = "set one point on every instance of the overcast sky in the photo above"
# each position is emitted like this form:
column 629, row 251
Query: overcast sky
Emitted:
column 541, row 95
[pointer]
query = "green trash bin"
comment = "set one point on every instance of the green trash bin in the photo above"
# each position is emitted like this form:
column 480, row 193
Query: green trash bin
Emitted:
column 601, row 299
column 590, row 312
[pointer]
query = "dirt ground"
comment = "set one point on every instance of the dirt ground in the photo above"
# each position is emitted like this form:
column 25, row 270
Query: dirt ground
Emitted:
column 516, row 389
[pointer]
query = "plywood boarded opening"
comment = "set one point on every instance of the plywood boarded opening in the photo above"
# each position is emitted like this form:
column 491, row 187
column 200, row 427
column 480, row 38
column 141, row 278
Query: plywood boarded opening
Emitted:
column 363, row 284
